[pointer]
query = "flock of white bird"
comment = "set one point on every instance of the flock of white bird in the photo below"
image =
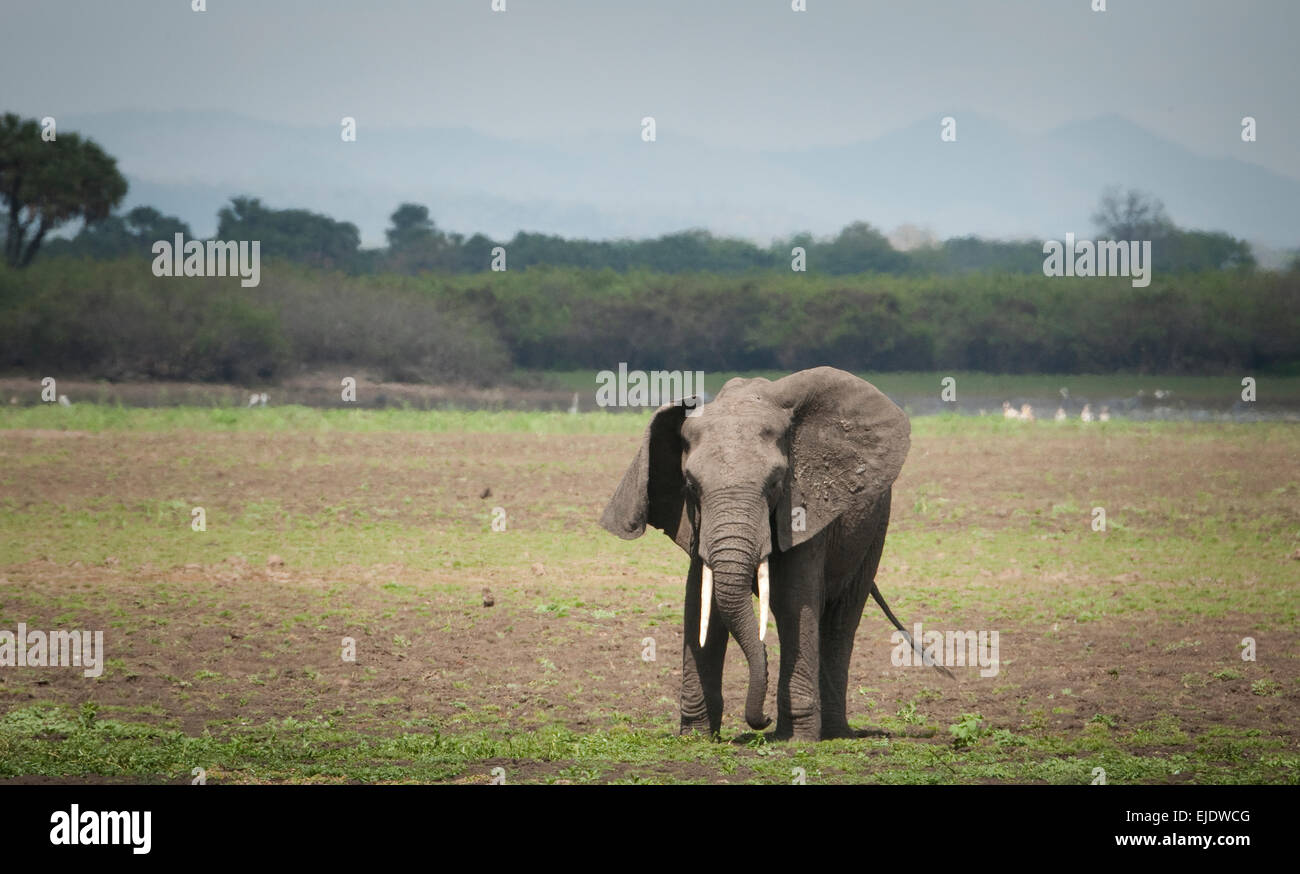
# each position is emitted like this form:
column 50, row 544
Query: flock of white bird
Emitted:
column 1026, row 411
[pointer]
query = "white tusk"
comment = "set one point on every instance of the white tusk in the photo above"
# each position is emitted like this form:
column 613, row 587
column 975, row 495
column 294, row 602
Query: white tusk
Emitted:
column 706, row 601
column 764, row 594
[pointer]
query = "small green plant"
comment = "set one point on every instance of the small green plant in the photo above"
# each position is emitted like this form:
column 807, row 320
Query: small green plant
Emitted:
column 1103, row 719
column 1007, row 738
column 908, row 714
column 560, row 610
column 1265, row 688
column 967, row 730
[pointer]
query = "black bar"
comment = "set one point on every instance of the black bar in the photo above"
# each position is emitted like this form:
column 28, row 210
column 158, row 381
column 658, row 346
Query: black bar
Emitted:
column 652, row 825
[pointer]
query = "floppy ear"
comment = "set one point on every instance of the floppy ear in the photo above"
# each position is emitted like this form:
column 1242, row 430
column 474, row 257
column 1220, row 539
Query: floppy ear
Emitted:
column 652, row 489
column 847, row 443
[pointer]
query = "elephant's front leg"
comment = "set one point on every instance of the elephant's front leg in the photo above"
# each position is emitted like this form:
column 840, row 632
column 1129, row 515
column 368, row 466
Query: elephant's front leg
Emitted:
column 701, row 665
column 796, row 595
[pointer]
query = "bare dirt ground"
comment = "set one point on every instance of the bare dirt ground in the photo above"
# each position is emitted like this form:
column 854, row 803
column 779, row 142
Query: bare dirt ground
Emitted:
column 386, row 538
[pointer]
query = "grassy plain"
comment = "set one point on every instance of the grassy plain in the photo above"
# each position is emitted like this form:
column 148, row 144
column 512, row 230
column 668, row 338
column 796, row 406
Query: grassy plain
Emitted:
column 1120, row 649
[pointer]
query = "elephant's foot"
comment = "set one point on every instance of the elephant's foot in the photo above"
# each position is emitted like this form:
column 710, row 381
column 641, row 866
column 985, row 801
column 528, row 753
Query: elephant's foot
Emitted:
column 794, row 734
column 807, row 729
column 699, row 726
column 837, row 730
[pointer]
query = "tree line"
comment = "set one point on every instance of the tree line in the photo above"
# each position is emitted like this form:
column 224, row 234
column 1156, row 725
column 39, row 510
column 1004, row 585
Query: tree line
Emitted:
column 115, row 320
column 427, row 306
column 415, row 245
column 48, row 181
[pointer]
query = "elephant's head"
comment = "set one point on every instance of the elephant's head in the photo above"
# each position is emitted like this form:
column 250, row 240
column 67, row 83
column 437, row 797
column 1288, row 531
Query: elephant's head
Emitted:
column 765, row 461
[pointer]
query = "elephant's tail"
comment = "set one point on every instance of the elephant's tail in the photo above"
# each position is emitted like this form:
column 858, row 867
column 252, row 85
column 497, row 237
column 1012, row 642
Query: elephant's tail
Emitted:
column 925, row 659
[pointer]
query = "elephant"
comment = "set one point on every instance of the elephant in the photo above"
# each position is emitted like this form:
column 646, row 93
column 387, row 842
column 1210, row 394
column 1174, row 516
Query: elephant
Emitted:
column 781, row 489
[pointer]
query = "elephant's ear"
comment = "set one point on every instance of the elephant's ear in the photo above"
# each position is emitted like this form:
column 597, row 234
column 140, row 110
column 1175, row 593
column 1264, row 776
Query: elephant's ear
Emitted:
column 847, row 443
column 652, row 489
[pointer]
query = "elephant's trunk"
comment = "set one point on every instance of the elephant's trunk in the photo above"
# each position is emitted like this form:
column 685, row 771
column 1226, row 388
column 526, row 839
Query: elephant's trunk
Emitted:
column 732, row 593
column 731, row 549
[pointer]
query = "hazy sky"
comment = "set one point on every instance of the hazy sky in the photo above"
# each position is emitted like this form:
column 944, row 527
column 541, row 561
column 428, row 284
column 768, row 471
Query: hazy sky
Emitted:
column 720, row 71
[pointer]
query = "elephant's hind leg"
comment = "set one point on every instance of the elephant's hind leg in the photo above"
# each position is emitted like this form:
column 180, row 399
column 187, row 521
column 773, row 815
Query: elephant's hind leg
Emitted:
column 839, row 625
column 840, row 620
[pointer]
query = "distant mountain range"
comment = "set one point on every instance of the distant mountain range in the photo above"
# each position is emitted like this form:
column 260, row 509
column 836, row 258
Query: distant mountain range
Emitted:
column 993, row 181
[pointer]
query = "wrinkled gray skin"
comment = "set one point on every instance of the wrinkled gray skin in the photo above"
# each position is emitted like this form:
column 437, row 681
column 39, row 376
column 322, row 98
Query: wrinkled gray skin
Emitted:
column 725, row 485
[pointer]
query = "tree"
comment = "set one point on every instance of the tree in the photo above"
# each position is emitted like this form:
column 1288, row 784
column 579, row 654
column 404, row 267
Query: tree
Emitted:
column 475, row 254
column 1197, row 251
column 121, row 235
column 971, row 253
column 295, row 234
column 149, row 225
column 1134, row 215
column 46, row 184
column 411, row 225
column 415, row 245
column 1131, row 215
column 859, row 248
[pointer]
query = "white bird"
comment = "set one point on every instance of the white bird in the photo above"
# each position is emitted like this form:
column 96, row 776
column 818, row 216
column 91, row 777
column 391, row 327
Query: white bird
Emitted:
column 64, row 402
column 1086, row 415
column 1026, row 413
column 573, row 407
column 1060, row 414
column 1105, row 415
column 1008, row 412
column 262, row 400
column 1161, row 394
column 252, row 399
